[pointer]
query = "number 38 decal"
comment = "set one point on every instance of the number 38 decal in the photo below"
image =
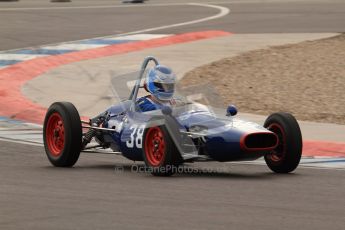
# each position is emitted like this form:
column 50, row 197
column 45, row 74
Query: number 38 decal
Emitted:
column 136, row 136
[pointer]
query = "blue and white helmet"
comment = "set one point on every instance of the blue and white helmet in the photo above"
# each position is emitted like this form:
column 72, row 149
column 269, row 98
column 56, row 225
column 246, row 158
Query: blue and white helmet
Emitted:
column 160, row 82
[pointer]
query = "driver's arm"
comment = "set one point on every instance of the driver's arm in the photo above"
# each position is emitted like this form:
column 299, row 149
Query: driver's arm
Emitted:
column 145, row 105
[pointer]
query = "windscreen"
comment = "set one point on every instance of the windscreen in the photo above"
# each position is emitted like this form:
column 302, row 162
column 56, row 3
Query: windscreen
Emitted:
column 204, row 95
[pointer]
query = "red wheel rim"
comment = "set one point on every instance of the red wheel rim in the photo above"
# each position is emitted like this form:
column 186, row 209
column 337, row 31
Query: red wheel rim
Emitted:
column 154, row 146
column 55, row 134
column 279, row 152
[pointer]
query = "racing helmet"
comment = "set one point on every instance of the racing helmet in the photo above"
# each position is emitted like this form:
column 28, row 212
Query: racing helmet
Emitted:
column 160, row 82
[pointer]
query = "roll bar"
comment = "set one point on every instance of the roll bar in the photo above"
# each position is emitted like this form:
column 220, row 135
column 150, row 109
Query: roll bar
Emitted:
column 134, row 94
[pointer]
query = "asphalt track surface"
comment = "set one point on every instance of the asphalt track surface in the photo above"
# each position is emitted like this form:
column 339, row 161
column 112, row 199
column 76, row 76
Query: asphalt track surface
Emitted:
column 93, row 195
column 32, row 23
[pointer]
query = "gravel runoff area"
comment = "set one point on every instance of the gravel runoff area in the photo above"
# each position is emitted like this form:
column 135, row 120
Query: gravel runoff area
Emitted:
column 306, row 79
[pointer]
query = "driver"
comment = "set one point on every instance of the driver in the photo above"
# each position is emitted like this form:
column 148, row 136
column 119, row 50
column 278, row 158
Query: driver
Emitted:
column 160, row 83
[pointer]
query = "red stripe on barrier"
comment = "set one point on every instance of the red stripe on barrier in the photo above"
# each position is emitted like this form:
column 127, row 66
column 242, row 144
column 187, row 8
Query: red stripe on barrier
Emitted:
column 14, row 105
column 323, row 148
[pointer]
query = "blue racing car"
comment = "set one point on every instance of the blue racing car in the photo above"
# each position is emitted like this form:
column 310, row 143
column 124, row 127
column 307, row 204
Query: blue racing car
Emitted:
column 174, row 133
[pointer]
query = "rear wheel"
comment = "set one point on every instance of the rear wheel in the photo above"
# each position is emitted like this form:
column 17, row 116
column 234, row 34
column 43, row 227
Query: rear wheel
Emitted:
column 159, row 152
column 287, row 155
column 62, row 134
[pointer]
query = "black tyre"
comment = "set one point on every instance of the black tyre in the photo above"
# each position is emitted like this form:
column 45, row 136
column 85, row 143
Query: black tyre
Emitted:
column 159, row 152
column 287, row 155
column 62, row 134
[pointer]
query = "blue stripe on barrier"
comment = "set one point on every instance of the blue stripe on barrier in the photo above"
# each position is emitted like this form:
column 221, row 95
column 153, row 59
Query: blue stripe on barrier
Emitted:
column 339, row 160
column 43, row 51
column 3, row 118
column 10, row 120
column 8, row 62
column 104, row 42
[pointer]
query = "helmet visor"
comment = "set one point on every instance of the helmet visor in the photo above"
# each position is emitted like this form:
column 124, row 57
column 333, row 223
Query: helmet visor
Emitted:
column 164, row 87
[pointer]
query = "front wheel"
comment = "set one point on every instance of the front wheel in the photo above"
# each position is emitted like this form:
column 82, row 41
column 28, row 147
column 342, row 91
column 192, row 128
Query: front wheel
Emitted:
column 62, row 134
column 159, row 152
column 287, row 155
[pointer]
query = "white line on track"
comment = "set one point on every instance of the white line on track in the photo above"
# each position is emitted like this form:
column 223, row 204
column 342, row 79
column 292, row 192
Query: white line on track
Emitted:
column 131, row 6
column 258, row 162
column 223, row 11
column 21, row 142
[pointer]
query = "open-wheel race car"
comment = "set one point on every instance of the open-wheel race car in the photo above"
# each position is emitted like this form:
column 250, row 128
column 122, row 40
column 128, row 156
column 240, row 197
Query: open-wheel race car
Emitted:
column 166, row 138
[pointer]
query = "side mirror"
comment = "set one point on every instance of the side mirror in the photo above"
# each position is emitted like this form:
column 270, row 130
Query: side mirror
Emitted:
column 231, row 111
column 166, row 110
